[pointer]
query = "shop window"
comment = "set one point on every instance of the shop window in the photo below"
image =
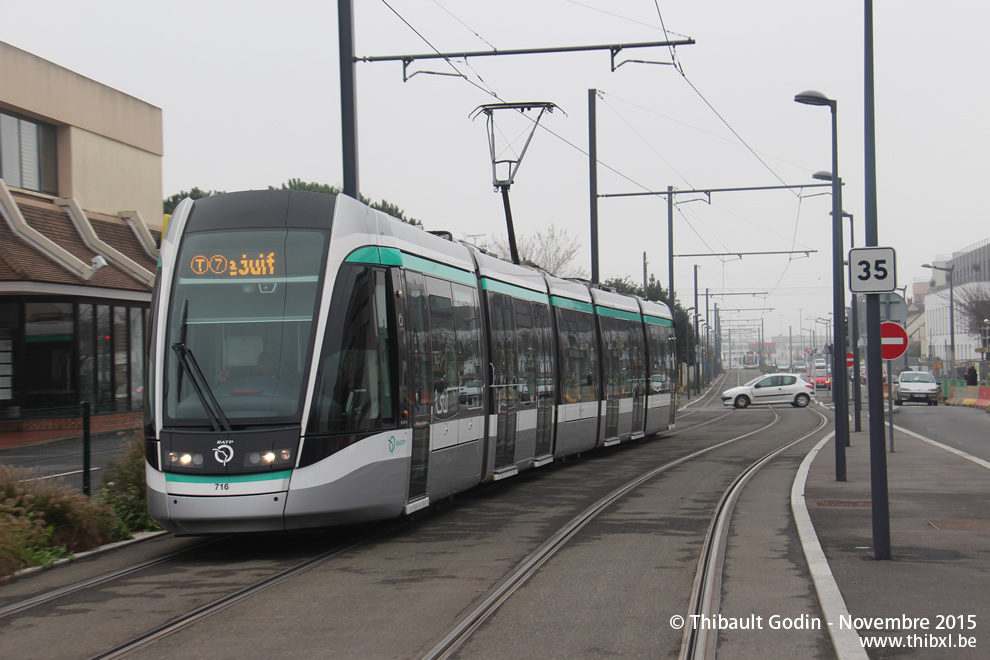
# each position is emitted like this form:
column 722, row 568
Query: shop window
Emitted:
column 48, row 348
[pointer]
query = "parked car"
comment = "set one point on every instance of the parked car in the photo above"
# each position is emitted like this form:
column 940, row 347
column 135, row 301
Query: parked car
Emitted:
column 916, row 386
column 774, row 388
column 821, row 378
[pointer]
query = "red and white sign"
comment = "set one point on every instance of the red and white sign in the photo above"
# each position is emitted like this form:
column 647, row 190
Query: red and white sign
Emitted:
column 893, row 340
column 849, row 359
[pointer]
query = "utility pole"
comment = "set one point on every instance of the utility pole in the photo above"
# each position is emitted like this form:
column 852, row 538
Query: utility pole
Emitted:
column 593, row 180
column 348, row 97
column 645, row 280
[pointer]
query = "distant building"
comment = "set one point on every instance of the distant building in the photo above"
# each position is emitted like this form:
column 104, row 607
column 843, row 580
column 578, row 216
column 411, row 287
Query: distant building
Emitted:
column 80, row 183
column 971, row 270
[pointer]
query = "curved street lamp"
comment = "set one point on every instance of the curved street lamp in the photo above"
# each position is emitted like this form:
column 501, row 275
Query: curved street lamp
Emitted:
column 840, row 378
column 952, row 313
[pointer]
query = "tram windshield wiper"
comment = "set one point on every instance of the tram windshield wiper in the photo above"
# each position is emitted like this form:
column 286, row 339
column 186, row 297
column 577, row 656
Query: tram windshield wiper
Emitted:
column 212, row 407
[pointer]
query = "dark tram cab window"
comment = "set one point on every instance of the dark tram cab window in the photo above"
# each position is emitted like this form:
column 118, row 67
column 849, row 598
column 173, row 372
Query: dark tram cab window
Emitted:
column 354, row 392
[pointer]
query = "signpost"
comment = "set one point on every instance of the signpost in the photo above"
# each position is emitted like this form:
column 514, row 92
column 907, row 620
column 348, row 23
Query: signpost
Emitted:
column 872, row 270
column 893, row 344
column 893, row 340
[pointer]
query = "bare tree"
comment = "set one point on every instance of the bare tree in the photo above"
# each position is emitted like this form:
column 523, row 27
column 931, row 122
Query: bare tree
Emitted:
column 553, row 250
column 973, row 303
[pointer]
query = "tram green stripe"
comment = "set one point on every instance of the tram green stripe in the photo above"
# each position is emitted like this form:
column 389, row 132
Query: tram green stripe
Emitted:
column 577, row 305
column 656, row 320
column 229, row 478
column 365, row 255
column 412, row 262
column 618, row 314
column 394, row 257
column 514, row 291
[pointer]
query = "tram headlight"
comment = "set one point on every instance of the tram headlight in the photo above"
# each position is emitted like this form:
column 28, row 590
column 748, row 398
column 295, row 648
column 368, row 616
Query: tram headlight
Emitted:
column 185, row 459
column 269, row 457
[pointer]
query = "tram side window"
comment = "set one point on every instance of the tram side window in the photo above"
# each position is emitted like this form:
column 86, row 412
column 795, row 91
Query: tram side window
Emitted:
column 504, row 361
column 544, row 352
column 527, row 350
column 469, row 370
column 354, row 389
column 657, row 340
column 445, row 362
column 578, row 359
column 636, row 352
column 618, row 377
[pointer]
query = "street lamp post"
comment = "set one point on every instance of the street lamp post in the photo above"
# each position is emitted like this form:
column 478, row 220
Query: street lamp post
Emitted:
column 952, row 314
column 854, row 320
column 839, row 377
column 857, row 393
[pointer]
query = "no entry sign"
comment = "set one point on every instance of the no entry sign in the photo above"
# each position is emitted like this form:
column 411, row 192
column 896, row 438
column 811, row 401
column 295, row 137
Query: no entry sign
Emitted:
column 893, row 340
column 849, row 359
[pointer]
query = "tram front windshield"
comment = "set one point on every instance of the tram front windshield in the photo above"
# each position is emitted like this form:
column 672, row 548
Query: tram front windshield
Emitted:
column 242, row 315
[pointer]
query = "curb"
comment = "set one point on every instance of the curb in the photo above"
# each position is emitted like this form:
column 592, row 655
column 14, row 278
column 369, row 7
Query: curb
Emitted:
column 137, row 538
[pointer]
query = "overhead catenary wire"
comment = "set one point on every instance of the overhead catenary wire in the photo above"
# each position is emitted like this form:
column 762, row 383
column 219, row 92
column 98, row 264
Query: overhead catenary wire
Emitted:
column 488, row 90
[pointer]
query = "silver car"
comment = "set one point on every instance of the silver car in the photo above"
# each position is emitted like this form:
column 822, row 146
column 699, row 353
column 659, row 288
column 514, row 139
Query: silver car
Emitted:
column 773, row 388
column 916, row 386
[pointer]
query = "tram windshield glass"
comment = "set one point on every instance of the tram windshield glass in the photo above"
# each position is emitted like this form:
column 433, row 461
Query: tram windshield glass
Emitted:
column 243, row 307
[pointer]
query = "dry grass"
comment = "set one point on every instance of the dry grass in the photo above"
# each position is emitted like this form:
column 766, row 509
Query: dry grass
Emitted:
column 42, row 520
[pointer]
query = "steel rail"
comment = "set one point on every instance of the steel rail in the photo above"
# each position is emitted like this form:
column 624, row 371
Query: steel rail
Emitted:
column 184, row 621
column 82, row 585
column 698, row 642
column 461, row 630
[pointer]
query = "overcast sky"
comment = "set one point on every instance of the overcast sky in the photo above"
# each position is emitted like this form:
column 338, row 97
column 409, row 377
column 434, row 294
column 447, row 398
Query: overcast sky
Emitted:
column 250, row 98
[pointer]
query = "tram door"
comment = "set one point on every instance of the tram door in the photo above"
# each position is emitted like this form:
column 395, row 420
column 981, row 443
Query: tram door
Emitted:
column 545, row 392
column 505, row 383
column 421, row 370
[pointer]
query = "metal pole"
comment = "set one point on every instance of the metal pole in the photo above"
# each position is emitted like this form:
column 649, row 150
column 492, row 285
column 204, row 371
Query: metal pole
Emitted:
column 86, row 449
column 890, row 402
column 670, row 244
column 593, row 180
column 697, row 374
column 874, row 369
column 839, row 399
column 509, row 226
column 646, row 264
column 952, row 322
column 857, row 386
column 708, row 369
column 348, row 97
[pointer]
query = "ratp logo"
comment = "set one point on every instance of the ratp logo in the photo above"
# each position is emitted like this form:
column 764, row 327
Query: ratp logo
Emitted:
column 223, row 454
column 391, row 444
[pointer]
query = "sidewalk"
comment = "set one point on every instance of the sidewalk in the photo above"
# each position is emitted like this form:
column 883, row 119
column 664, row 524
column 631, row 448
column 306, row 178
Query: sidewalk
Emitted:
column 939, row 535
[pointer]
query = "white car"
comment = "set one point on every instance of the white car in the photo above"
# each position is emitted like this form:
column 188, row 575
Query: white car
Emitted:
column 773, row 388
column 916, row 386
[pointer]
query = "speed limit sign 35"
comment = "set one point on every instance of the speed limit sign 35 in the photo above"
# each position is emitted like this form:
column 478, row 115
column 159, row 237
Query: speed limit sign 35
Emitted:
column 872, row 270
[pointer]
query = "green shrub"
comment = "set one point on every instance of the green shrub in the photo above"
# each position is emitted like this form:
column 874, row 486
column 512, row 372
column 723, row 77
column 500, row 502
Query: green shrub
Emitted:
column 124, row 491
column 43, row 520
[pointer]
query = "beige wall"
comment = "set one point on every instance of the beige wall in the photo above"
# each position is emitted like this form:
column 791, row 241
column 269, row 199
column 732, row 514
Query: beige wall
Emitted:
column 111, row 159
column 110, row 177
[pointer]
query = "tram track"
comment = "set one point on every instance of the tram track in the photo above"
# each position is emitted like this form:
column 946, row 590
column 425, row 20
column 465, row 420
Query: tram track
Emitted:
column 99, row 580
column 92, row 589
column 699, row 641
column 158, row 633
column 459, row 631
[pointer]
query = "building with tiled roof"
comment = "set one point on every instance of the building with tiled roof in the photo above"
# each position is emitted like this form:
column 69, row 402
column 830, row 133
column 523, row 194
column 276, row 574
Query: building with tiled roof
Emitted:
column 80, row 183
